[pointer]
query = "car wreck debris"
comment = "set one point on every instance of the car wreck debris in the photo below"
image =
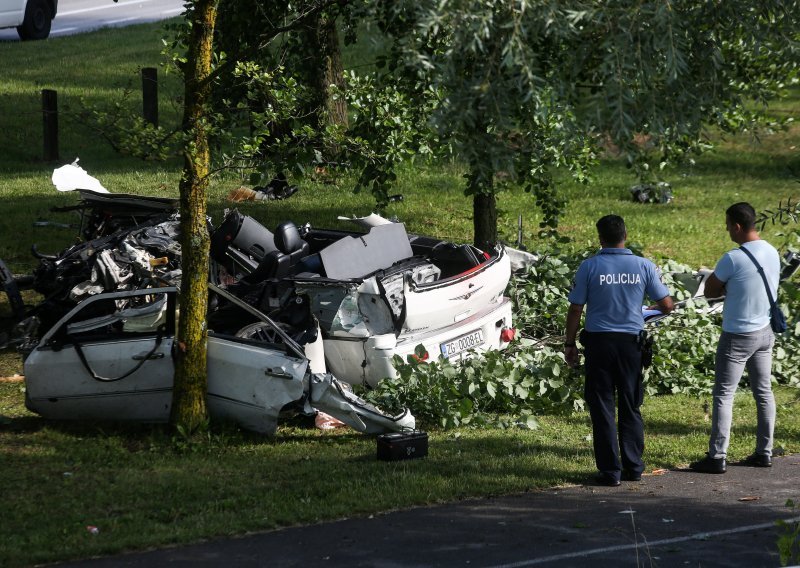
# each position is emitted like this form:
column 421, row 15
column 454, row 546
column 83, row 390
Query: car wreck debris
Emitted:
column 296, row 315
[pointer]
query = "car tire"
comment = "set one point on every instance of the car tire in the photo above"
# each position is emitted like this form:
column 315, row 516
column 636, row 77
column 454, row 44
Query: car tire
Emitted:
column 36, row 24
column 261, row 331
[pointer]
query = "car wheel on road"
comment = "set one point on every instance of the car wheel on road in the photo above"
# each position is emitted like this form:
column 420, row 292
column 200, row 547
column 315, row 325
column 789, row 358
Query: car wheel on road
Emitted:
column 36, row 24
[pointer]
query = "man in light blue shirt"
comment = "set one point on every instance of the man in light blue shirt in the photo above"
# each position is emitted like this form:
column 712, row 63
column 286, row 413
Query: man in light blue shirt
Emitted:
column 746, row 340
column 612, row 285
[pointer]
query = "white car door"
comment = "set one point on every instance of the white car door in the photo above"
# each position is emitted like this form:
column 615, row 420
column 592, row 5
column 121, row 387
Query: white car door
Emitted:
column 250, row 382
column 108, row 359
column 11, row 12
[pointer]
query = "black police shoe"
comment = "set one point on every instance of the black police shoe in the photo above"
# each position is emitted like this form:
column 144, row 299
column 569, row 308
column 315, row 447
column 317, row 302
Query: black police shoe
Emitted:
column 756, row 460
column 606, row 479
column 630, row 475
column 709, row 465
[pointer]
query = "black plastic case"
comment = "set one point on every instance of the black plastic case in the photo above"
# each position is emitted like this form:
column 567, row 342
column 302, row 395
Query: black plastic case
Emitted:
column 402, row 445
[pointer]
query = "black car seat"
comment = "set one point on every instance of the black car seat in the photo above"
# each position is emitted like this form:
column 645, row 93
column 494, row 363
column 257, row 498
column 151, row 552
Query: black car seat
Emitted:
column 291, row 249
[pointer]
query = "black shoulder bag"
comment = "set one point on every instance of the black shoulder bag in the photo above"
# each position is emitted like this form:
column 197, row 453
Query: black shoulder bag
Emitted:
column 776, row 318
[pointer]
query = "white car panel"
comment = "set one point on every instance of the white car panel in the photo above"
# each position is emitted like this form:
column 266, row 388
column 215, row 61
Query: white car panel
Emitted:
column 60, row 387
column 11, row 12
column 373, row 355
column 443, row 303
column 249, row 384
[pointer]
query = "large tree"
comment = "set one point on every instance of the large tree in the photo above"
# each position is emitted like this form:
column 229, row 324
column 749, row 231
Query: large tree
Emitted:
column 527, row 87
column 200, row 76
column 189, row 394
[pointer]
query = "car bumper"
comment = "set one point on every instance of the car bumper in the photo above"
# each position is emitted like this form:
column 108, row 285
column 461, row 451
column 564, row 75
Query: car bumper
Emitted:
column 375, row 353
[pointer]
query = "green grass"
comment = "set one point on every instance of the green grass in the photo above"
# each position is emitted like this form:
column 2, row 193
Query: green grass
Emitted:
column 142, row 488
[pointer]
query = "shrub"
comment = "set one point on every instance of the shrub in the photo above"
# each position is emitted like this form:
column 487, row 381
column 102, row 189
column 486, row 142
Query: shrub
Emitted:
column 497, row 388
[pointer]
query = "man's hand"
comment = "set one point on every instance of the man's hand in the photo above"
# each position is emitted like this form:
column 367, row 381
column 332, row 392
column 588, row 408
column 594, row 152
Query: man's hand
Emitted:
column 714, row 287
column 665, row 305
column 572, row 355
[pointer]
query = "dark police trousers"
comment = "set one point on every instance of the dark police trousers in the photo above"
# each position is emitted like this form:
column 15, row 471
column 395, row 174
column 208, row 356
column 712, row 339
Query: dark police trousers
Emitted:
column 614, row 366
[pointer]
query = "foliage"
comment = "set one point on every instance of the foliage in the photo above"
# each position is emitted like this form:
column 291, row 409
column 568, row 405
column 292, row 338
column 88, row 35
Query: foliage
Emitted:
column 684, row 348
column 495, row 388
column 540, row 295
column 787, row 345
column 292, row 148
column 789, row 540
column 121, row 125
column 529, row 88
column 387, row 127
column 522, row 93
column 685, row 342
column 784, row 214
column 496, row 111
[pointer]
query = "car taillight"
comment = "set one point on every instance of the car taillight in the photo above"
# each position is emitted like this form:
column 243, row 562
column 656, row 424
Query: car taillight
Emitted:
column 507, row 334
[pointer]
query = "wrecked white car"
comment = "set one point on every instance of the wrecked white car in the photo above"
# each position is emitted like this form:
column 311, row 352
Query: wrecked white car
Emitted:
column 111, row 358
column 370, row 296
column 294, row 310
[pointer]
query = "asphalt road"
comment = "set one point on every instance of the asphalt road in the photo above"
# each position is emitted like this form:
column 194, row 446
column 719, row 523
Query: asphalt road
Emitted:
column 677, row 518
column 78, row 16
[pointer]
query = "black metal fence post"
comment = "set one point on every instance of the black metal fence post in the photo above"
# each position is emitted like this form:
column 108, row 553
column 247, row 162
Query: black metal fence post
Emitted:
column 150, row 95
column 50, row 120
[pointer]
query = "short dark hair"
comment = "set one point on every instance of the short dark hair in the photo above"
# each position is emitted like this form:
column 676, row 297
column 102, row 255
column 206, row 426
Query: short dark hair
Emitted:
column 611, row 229
column 742, row 214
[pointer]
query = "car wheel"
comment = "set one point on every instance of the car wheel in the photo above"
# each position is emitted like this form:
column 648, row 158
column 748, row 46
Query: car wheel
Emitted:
column 261, row 331
column 36, row 24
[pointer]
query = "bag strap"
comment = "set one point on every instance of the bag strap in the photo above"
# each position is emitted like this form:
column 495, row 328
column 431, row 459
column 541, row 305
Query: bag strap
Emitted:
column 761, row 272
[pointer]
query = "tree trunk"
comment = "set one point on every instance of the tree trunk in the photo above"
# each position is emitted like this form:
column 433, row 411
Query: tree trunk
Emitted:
column 332, row 70
column 484, row 220
column 480, row 185
column 326, row 69
column 191, row 382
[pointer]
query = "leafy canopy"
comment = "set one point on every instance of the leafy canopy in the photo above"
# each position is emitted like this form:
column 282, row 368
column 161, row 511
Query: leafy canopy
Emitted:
column 530, row 87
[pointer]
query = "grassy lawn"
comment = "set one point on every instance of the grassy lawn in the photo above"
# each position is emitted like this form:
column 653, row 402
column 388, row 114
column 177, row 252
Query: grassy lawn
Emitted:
column 141, row 487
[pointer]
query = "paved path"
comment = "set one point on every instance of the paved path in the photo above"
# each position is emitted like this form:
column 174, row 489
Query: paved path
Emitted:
column 679, row 518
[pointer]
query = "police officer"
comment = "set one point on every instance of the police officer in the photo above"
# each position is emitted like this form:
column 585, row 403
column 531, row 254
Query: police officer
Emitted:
column 612, row 285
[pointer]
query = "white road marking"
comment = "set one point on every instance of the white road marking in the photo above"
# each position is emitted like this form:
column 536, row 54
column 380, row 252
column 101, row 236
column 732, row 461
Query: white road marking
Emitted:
column 651, row 544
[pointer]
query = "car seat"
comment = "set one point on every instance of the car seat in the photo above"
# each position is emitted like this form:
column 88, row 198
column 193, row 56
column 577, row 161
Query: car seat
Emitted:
column 291, row 249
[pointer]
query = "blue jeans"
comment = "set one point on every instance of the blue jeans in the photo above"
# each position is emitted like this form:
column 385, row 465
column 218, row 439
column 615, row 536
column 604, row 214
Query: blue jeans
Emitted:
column 735, row 352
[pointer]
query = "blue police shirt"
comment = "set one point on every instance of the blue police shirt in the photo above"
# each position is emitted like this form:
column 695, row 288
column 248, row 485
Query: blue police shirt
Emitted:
column 612, row 285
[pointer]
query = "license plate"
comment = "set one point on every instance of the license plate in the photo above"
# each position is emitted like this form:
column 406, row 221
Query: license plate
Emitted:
column 469, row 341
